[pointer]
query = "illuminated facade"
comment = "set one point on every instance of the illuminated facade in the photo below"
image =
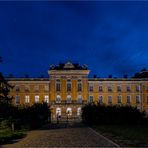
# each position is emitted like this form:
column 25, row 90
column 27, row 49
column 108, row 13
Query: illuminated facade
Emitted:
column 68, row 88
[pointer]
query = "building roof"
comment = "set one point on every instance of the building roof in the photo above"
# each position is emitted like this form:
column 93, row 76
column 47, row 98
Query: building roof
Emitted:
column 68, row 66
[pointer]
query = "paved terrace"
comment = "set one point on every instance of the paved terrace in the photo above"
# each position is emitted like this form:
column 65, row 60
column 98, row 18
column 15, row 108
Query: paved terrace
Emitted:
column 63, row 135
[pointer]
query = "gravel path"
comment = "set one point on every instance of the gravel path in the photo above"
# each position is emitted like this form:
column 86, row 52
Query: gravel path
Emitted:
column 63, row 135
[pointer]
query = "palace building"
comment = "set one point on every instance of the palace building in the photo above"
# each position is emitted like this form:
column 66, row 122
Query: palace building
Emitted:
column 68, row 89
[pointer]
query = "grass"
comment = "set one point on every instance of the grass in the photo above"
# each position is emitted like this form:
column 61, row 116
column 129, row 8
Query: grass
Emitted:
column 6, row 135
column 125, row 135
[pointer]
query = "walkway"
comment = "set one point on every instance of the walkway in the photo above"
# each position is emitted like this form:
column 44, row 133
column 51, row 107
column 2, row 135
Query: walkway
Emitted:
column 63, row 135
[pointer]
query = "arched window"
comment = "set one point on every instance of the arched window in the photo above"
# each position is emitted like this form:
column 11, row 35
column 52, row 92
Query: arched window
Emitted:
column 58, row 111
column 69, row 111
column 79, row 111
column 68, row 99
column 58, row 99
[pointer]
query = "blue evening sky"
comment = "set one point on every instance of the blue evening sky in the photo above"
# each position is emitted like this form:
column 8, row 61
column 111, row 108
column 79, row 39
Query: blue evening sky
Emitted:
column 110, row 37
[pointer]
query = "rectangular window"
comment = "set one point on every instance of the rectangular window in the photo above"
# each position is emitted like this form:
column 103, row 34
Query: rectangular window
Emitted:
column 46, row 87
column 137, row 88
column 79, row 99
column 68, row 86
column 128, row 89
column 119, row 99
column 100, row 88
column 128, row 99
column 91, row 87
column 26, row 88
column 100, row 101
column 109, row 99
column 109, row 88
column 17, row 89
column 79, row 87
column 90, row 99
column 46, row 98
column 37, row 99
column 36, row 88
column 119, row 88
column 17, row 99
column 58, row 87
column 138, row 99
column 27, row 99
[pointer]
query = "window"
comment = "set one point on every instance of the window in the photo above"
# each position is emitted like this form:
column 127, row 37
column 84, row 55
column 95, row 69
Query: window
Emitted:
column 58, row 85
column 109, row 88
column 58, row 112
column 68, row 85
column 119, row 99
column 119, row 88
column 79, row 86
column 17, row 99
column 46, row 98
column 79, row 111
column 69, row 111
column 100, row 88
column 128, row 99
column 138, row 99
column 137, row 88
column 91, row 87
column 17, row 89
column 90, row 99
column 109, row 99
column 26, row 88
column 128, row 89
column 147, row 88
column 27, row 99
column 58, row 99
column 36, row 99
column 46, row 87
column 68, row 99
column 100, row 101
column 36, row 87
column 79, row 99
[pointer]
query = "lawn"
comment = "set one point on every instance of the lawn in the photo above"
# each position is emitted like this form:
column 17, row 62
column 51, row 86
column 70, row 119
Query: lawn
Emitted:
column 6, row 135
column 125, row 135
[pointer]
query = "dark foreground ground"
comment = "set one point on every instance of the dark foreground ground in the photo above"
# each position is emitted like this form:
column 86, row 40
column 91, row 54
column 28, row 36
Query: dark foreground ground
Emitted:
column 62, row 135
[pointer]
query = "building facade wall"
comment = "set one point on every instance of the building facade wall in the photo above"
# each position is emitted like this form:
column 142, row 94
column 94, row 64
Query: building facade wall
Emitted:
column 30, row 90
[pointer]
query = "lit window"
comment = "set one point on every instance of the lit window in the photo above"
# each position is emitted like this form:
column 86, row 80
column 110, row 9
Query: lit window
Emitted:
column 58, row 112
column 46, row 98
column 119, row 99
column 27, row 99
column 90, row 99
column 37, row 99
column 109, row 99
column 69, row 111
column 79, row 111
column 138, row 99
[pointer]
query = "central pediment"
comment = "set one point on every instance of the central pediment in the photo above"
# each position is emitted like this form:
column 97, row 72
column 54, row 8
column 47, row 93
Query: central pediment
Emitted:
column 68, row 65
